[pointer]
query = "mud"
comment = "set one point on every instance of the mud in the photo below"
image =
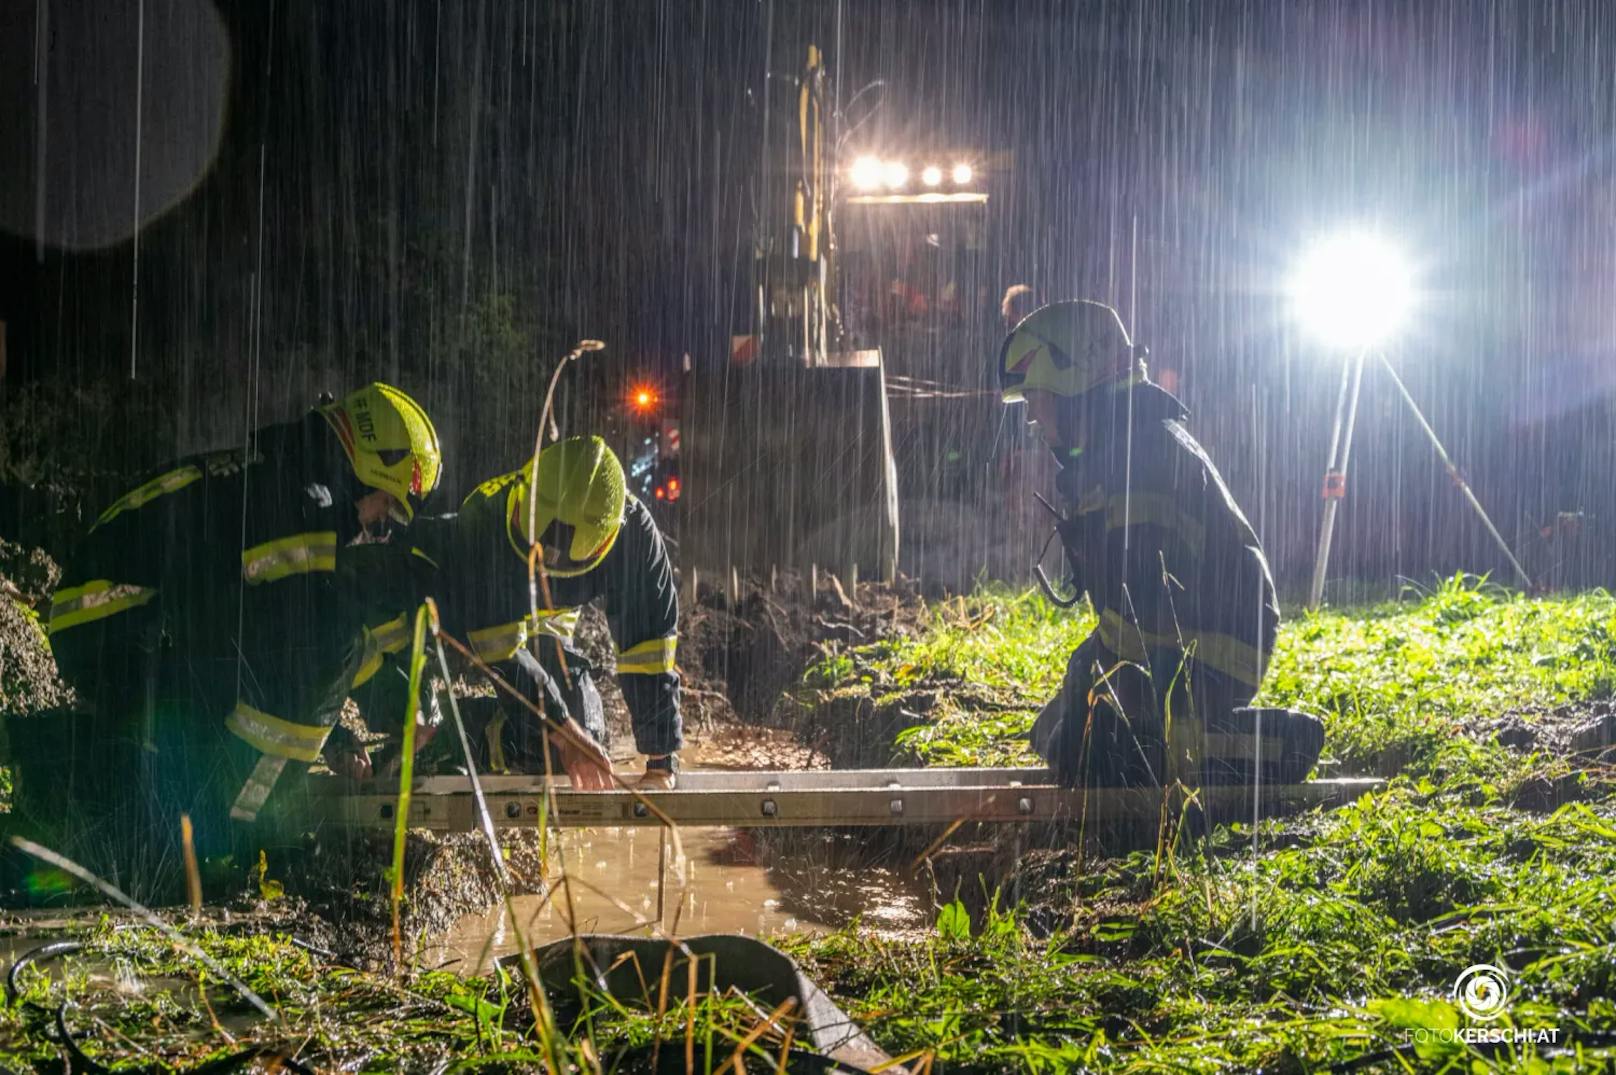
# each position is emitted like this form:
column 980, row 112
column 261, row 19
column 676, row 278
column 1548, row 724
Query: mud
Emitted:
column 1582, row 731
column 28, row 680
column 630, row 881
column 342, row 888
column 745, row 651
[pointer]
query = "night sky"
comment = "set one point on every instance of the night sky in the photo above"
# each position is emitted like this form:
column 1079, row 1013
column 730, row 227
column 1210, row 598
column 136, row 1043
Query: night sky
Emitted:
column 446, row 195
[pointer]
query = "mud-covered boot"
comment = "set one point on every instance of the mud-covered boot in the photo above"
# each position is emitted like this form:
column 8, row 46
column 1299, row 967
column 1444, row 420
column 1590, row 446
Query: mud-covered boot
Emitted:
column 1288, row 748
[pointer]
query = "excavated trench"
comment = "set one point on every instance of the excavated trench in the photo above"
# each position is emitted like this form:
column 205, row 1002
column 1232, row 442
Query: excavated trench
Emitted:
column 741, row 656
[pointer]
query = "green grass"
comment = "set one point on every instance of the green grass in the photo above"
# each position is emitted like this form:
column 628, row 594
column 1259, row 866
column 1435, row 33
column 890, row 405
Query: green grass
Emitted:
column 1336, row 942
column 1393, row 681
column 135, row 1004
column 1344, row 935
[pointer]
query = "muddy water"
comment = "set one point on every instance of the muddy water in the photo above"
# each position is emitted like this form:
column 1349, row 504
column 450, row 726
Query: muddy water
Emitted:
column 628, row 881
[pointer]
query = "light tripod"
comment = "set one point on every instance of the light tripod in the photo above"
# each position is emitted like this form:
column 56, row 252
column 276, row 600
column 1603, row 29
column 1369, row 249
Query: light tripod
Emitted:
column 1335, row 475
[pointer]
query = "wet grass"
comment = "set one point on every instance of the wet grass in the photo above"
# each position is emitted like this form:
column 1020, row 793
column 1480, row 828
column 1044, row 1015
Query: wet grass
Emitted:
column 1334, row 943
column 130, row 1001
column 1338, row 940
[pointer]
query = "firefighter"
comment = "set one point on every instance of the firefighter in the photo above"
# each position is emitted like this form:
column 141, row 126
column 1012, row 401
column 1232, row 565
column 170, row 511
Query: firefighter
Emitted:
column 1187, row 612
column 597, row 542
column 210, row 624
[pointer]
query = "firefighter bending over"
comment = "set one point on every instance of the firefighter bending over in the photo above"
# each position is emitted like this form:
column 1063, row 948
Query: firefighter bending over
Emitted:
column 210, row 630
column 597, row 542
column 1186, row 605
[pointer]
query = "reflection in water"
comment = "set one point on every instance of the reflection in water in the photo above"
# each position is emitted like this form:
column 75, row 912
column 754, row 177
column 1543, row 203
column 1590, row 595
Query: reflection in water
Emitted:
column 724, row 884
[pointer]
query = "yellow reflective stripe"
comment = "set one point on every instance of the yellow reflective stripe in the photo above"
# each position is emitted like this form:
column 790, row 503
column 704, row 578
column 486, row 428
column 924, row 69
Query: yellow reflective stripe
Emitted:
column 392, row 636
column 172, row 482
column 559, row 623
column 287, row 556
column 1230, row 745
column 255, row 791
column 95, row 600
column 1223, row 652
column 651, row 658
column 501, row 642
column 495, row 734
column 495, row 644
column 368, row 667
column 272, row 735
column 1156, row 509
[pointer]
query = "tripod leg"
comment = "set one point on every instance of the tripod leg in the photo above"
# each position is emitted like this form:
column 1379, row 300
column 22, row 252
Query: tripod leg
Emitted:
column 1453, row 473
column 1335, row 478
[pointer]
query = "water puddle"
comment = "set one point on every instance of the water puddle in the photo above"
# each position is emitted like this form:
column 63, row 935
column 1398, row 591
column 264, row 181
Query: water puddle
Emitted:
column 729, row 884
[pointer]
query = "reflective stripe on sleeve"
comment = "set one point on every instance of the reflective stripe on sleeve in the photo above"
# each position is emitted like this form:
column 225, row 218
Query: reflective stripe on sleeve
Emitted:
column 95, row 600
column 392, row 636
column 172, row 482
column 380, row 640
column 272, row 735
column 1156, row 509
column 495, row 644
column 559, row 623
column 500, row 643
column 1225, row 653
column 296, row 555
column 651, row 658
column 255, row 792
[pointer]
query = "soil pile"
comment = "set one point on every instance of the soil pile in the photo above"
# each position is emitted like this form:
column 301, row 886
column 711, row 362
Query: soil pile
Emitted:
column 744, row 651
column 28, row 680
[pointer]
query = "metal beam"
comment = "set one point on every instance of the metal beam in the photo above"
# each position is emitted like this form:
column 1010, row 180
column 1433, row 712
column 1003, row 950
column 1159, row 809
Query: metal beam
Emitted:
column 800, row 799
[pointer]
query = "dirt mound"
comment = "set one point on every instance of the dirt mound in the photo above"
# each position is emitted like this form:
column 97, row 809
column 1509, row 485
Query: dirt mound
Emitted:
column 343, row 886
column 742, row 651
column 1580, row 730
column 28, row 680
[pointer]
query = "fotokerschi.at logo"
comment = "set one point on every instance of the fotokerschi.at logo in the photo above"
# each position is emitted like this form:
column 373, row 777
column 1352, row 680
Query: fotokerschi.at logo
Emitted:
column 1482, row 992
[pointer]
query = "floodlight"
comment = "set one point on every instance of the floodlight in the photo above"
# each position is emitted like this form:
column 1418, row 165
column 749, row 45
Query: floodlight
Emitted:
column 963, row 174
column 866, row 173
column 1352, row 291
column 894, row 174
column 932, row 176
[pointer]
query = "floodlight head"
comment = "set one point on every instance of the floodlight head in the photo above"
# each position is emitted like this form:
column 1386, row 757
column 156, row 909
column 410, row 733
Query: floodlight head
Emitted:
column 1352, row 291
column 932, row 175
column 894, row 174
column 866, row 173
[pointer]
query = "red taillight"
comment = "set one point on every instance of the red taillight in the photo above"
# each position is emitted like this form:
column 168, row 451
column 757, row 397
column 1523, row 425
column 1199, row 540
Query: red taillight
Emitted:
column 661, row 494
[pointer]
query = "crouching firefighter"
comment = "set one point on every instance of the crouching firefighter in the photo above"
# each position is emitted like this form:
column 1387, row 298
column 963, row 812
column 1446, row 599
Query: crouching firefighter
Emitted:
column 211, row 631
column 1159, row 691
column 596, row 542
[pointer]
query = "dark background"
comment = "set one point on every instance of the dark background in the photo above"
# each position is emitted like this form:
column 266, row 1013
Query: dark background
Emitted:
column 445, row 195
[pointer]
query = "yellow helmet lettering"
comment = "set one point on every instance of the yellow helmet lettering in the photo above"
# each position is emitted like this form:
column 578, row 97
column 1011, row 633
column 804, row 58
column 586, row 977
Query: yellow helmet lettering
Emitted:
column 390, row 442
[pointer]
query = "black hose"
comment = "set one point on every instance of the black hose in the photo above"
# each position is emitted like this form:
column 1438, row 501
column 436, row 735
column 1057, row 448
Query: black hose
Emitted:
column 42, row 954
column 78, row 1061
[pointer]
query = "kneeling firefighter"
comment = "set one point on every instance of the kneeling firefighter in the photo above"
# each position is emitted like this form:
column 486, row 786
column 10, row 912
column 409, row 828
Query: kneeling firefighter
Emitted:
column 1187, row 612
column 210, row 625
column 597, row 542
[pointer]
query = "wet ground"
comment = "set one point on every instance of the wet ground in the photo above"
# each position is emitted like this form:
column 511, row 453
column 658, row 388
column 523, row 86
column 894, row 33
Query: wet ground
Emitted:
column 725, row 881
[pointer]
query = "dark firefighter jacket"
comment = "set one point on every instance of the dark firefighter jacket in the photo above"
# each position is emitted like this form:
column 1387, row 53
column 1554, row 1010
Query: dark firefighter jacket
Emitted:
column 485, row 600
column 1171, row 566
column 234, row 558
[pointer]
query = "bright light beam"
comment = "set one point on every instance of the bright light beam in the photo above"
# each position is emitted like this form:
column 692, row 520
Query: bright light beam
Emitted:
column 866, row 173
column 1353, row 291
